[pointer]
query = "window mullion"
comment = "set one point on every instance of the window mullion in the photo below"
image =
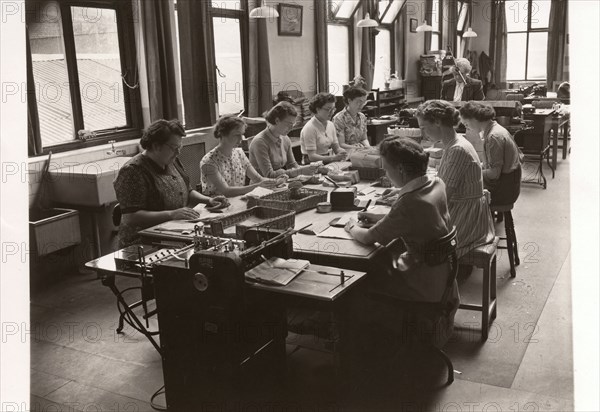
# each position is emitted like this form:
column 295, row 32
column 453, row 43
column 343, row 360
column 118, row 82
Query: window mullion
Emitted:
column 72, row 70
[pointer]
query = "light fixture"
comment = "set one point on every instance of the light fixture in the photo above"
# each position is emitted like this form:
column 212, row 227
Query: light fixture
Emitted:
column 263, row 12
column 367, row 22
column 424, row 27
column 470, row 32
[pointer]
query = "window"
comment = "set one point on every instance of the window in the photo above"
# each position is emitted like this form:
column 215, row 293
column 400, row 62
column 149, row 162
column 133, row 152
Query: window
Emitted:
column 436, row 25
column 229, row 53
column 84, row 72
column 383, row 53
column 462, row 11
column 340, row 43
column 527, row 39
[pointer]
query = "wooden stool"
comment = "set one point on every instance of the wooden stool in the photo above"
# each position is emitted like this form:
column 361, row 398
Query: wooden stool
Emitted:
column 484, row 257
column 511, row 236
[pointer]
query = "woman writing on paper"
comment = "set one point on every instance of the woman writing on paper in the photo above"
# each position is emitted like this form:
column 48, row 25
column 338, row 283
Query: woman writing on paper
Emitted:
column 224, row 169
column 153, row 186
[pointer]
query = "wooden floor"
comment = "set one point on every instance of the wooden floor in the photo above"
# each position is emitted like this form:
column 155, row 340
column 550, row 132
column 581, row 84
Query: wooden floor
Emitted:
column 79, row 363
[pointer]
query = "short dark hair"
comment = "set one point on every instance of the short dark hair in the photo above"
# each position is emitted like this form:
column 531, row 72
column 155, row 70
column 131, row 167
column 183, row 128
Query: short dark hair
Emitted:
column 319, row 100
column 352, row 93
column 226, row 124
column 405, row 152
column 478, row 111
column 441, row 110
column 160, row 131
column 280, row 111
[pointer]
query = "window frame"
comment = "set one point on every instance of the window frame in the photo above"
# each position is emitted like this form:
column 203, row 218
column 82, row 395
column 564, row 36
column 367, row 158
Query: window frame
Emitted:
column 124, row 12
column 333, row 20
column 243, row 16
column 527, row 32
column 440, row 27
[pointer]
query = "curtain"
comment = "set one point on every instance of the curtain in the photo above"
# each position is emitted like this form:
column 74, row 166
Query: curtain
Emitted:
column 400, row 32
column 498, row 44
column 557, row 44
column 197, row 68
column 260, row 93
column 450, row 22
column 367, row 55
column 322, row 59
column 159, row 59
column 429, row 18
column 34, row 141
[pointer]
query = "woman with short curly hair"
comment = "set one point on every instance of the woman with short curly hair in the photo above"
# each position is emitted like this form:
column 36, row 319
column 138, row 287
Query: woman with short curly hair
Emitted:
column 318, row 136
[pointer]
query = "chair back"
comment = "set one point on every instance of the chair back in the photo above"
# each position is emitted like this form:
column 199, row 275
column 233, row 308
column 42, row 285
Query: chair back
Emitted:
column 116, row 215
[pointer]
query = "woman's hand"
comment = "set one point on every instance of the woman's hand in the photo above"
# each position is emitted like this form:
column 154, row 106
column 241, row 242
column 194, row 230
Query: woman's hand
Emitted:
column 271, row 183
column 217, row 200
column 350, row 224
column 389, row 193
column 184, row 213
column 341, row 156
column 374, row 215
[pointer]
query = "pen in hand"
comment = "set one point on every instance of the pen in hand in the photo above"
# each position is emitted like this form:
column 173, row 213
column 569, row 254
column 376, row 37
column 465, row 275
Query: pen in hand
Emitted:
column 367, row 206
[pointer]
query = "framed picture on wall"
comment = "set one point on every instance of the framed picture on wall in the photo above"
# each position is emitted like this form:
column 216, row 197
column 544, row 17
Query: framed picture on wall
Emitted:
column 290, row 20
column 413, row 25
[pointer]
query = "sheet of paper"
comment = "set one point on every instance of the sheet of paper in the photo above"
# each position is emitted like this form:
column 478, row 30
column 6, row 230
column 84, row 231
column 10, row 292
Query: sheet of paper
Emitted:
column 258, row 192
column 176, row 225
column 335, row 233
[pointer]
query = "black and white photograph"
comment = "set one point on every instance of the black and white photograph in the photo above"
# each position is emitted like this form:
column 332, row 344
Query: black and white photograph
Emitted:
column 309, row 205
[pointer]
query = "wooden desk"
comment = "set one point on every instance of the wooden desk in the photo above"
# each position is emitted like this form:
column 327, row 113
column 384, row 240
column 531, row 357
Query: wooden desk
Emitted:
column 377, row 129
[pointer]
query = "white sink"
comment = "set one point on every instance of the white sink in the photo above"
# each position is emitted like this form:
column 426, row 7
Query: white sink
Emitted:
column 87, row 184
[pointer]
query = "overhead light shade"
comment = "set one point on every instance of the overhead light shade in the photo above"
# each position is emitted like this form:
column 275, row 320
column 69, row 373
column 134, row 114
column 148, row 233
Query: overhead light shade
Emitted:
column 424, row 27
column 470, row 33
column 367, row 22
column 263, row 12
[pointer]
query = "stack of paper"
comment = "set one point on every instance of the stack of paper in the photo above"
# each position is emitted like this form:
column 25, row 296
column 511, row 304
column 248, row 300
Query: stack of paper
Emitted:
column 277, row 271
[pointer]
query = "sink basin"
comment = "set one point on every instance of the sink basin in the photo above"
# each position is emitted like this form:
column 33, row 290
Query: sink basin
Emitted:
column 87, row 184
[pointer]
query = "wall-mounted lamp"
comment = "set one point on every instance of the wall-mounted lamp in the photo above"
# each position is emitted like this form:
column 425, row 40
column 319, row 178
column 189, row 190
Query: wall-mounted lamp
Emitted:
column 263, row 12
column 367, row 22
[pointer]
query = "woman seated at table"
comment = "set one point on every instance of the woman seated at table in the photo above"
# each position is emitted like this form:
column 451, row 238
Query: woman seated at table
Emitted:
column 318, row 135
column 153, row 186
column 419, row 217
column 271, row 150
column 350, row 123
column 460, row 170
column 462, row 87
column 224, row 169
column 502, row 164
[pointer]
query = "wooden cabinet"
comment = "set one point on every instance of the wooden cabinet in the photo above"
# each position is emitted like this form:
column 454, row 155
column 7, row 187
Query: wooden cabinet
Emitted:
column 389, row 100
column 431, row 87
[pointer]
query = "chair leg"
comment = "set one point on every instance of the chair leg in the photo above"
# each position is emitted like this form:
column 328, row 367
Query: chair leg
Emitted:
column 448, row 363
column 493, row 290
column 485, row 303
column 509, row 243
column 513, row 233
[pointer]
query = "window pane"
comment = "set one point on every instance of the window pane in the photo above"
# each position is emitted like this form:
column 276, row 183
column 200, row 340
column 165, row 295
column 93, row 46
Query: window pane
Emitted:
column 338, row 58
column 179, row 84
column 383, row 6
column 516, row 15
column 346, row 8
column 536, row 64
column 393, row 11
column 515, row 58
column 435, row 17
column 228, row 58
column 99, row 67
column 226, row 4
column 50, row 74
column 462, row 17
column 382, row 58
column 435, row 41
column 540, row 14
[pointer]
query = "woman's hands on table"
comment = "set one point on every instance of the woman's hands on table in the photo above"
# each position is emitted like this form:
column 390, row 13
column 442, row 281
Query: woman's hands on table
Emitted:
column 374, row 215
column 184, row 213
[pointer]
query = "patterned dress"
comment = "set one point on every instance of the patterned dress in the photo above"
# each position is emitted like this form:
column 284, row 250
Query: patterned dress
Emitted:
column 144, row 185
column 469, row 209
column 353, row 130
column 232, row 169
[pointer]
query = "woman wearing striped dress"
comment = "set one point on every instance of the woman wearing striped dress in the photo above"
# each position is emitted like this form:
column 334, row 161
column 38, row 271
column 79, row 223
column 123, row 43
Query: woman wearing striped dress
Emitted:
column 460, row 170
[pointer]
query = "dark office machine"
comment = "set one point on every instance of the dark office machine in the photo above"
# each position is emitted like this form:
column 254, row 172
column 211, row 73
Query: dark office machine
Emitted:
column 214, row 332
